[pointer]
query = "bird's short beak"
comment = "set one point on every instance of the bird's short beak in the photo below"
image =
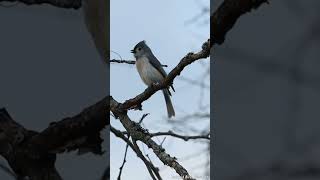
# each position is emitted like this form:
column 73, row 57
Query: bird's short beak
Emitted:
column 132, row 51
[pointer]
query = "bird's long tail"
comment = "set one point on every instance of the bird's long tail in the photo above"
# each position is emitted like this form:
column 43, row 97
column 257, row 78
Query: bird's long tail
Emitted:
column 168, row 103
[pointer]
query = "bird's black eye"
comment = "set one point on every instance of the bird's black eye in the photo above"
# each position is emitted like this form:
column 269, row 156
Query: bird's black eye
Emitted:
column 139, row 49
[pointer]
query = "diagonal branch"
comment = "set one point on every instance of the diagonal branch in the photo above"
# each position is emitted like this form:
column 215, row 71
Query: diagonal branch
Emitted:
column 33, row 154
column 140, row 134
column 225, row 17
column 80, row 132
column 150, row 167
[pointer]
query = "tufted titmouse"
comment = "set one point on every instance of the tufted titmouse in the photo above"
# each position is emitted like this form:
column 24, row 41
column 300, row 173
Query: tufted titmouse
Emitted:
column 151, row 71
column 96, row 14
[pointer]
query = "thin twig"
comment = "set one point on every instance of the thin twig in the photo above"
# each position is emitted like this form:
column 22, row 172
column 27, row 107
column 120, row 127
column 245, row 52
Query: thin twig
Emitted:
column 150, row 167
column 142, row 118
column 185, row 138
column 122, row 61
column 129, row 62
column 124, row 160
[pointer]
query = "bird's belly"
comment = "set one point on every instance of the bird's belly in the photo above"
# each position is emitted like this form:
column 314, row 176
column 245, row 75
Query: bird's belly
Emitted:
column 147, row 72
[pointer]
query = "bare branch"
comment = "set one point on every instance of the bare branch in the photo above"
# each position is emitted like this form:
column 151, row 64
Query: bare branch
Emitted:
column 150, row 167
column 138, row 133
column 129, row 62
column 68, row 4
column 24, row 149
column 224, row 18
column 143, row 117
column 124, row 159
column 183, row 137
column 123, row 61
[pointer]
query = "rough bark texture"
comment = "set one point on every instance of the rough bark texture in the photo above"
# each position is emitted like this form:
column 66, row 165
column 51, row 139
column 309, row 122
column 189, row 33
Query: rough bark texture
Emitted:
column 33, row 154
column 68, row 4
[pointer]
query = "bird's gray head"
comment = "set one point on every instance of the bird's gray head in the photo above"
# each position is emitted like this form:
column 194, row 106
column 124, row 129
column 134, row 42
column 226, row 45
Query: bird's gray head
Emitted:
column 141, row 49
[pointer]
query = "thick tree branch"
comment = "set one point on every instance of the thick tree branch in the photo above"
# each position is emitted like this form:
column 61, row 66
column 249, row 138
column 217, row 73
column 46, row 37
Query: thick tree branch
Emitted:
column 128, row 62
column 68, row 4
column 32, row 154
column 224, row 18
column 80, row 132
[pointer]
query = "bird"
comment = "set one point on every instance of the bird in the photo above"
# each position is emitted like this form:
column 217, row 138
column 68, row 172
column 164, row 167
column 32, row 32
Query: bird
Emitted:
column 151, row 71
column 97, row 20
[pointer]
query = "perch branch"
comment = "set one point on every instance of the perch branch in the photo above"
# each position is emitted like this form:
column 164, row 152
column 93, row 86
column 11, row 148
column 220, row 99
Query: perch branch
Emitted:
column 128, row 62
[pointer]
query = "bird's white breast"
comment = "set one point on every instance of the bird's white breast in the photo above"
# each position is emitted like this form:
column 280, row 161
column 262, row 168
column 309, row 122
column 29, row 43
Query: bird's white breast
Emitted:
column 147, row 72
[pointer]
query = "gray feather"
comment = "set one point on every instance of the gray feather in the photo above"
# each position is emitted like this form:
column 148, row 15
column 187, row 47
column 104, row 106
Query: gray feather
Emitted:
column 169, row 105
column 156, row 64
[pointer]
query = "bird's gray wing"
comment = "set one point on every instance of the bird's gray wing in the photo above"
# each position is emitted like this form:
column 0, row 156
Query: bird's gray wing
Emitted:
column 156, row 64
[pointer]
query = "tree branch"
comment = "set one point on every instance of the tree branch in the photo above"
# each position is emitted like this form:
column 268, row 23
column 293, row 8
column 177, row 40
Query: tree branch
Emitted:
column 136, row 131
column 128, row 62
column 33, row 154
column 150, row 167
column 68, row 4
column 124, row 160
column 225, row 17
column 185, row 138
column 80, row 132
column 122, row 61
